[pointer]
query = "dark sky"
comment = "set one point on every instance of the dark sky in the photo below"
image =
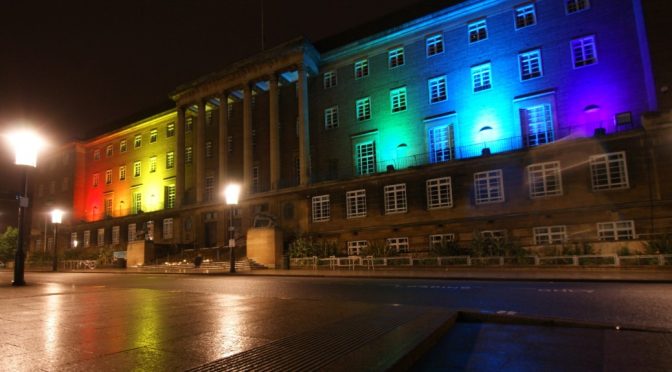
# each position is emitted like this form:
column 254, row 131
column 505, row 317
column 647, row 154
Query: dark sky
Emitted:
column 69, row 67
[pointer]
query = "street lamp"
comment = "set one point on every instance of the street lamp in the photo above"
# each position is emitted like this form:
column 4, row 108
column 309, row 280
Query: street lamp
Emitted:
column 26, row 145
column 56, row 219
column 231, row 194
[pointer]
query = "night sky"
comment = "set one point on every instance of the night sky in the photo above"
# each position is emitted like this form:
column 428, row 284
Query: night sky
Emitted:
column 71, row 68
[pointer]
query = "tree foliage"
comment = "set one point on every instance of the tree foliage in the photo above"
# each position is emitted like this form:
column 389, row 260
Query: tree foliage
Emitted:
column 8, row 241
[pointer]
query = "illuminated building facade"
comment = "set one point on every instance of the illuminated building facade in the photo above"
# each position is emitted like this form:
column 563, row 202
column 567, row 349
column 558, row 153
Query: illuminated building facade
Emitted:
column 511, row 119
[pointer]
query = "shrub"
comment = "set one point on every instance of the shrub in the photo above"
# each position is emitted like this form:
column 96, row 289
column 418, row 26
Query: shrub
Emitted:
column 308, row 246
column 379, row 248
column 662, row 244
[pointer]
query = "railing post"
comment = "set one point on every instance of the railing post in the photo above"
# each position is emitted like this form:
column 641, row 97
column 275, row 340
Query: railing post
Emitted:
column 468, row 260
column 501, row 260
column 661, row 260
column 537, row 261
column 617, row 260
column 575, row 260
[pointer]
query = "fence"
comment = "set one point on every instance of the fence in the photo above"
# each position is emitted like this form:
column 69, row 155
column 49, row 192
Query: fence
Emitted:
column 370, row 262
column 78, row 264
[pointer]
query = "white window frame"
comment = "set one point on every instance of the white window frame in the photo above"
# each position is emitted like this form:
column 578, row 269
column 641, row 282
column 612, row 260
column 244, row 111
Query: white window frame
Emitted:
column 137, row 202
column 530, row 65
column 437, row 89
column 73, row 240
column 524, row 16
column 122, row 172
column 108, row 176
column 616, row 230
column 96, row 154
column 441, row 143
column 109, row 151
column 96, row 178
column 363, row 108
column 544, row 179
column 115, row 235
column 489, row 187
column 188, row 155
column 365, row 158
column 170, row 129
column 496, row 235
column 100, row 238
column 481, row 77
column 576, row 6
column 123, row 146
column 320, row 208
column 434, row 45
column 400, row 244
column 170, row 160
column 609, row 171
column 584, row 51
column 361, row 67
column 168, row 225
column 137, row 141
column 137, row 168
column 329, row 79
column 153, row 135
column 132, row 232
column 170, row 198
column 86, row 239
column 437, row 240
column 538, row 120
column 395, row 198
column 152, row 164
column 477, row 31
column 355, row 247
column 398, row 100
column 439, row 193
column 395, row 57
column 331, row 117
column 550, row 234
column 355, row 203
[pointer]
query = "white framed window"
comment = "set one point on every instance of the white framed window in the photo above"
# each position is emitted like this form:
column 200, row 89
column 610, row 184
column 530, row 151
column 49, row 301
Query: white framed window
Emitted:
column 477, row 31
column 122, row 172
column 167, row 228
column 439, row 193
column 550, row 234
column 96, row 178
column 363, row 108
column 489, row 187
column 137, row 166
column 441, row 142
column 609, row 171
column 365, row 158
column 115, row 235
column 123, row 146
column 355, row 247
column 188, row 154
column 132, row 232
column 320, row 207
column 170, row 129
column 481, row 77
column 329, row 79
column 331, row 117
column 439, row 240
column 361, row 68
column 495, row 235
column 153, row 135
column 96, row 154
column 188, row 124
column 395, row 57
column 86, row 238
column 101, row 237
column 108, row 207
column 545, row 179
column 395, row 198
column 398, row 244
column 73, row 240
column 209, row 189
column 137, row 202
column 584, row 51
column 617, row 230
column 434, row 45
column 530, row 64
column 398, row 99
column 524, row 16
column 137, row 141
column 623, row 120
column 152, row 164
column 574, row 6
column 355, row 203
column 170, row 196
column 209, row 149
column 170, row 160
column 109, row 150
column 437, row 89
column 538, row 122
column 108, row 176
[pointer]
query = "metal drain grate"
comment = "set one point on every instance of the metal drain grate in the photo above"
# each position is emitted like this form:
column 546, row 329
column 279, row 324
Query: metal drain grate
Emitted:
column 315, row 349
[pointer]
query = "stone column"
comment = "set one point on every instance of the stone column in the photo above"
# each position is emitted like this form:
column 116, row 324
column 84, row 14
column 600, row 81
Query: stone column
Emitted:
column 223, row 155
column 304, row 130
column 274, row 130
column 248, row 157
column 179, row 158
column 199, row 150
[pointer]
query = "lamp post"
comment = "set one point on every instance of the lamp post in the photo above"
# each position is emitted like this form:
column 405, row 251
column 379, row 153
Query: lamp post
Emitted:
column 231, row 194
column 56, row 219
column 26, row 145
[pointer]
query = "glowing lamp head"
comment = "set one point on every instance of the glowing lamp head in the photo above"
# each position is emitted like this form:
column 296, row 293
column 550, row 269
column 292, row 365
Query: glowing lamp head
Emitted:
column 26, row 144
column 57, row 216
column 232, row 193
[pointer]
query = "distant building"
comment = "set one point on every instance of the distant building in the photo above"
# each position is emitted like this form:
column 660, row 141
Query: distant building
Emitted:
column 509, row 120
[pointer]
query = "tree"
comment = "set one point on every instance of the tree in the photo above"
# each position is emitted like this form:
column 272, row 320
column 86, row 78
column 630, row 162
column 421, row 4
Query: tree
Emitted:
column 8, row 243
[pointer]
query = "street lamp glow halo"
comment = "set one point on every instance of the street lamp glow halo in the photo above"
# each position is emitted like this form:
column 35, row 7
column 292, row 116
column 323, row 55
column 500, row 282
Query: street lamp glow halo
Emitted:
column 232, row 193
column 57, row 216
column 26, row 144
